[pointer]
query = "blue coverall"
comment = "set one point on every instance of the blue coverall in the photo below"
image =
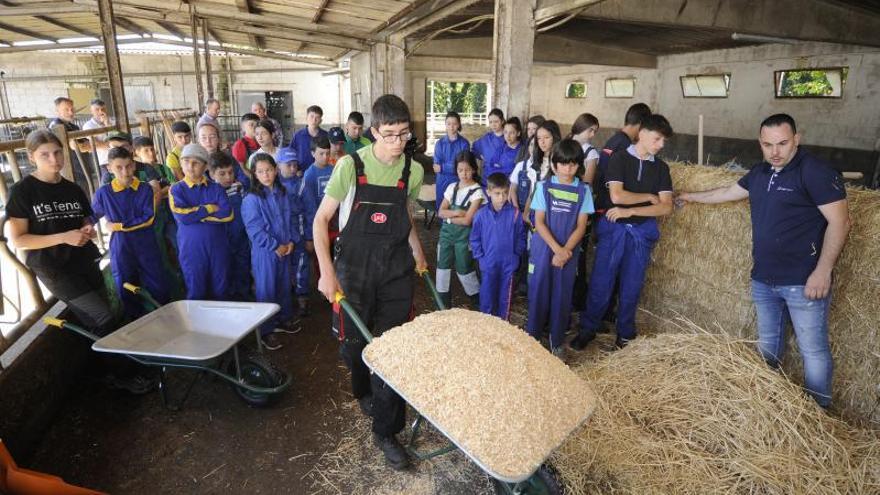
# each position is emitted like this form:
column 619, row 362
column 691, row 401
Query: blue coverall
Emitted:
column 239, row 248
column 134, row 250
column 269, row 224
column 550, row 288
column 445, row 152
column 498, row 238
column 302, row 145
column 503, row 161
column 201, row 209
column 299, row 260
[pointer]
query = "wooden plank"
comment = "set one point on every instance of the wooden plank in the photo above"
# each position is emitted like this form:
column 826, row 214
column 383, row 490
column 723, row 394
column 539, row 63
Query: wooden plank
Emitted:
column 172, row 29
column 114, row 67
column 41, row 8
column 57, row 23
column 320, row 11
column 194, row 30
column 245, row 6
column 129, row 26
column 209, row 77
column 26, row 32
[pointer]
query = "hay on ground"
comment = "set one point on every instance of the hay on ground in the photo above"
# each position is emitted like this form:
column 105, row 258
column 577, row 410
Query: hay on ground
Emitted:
column 701, row 268
column 702, row 413
column 493, row 389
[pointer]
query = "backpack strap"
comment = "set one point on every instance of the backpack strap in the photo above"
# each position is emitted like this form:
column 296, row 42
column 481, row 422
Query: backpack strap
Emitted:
column 403, row 182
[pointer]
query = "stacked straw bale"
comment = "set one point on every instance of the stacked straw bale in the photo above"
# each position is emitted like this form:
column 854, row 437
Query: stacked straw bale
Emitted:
column 701, row 271
column 701, row 413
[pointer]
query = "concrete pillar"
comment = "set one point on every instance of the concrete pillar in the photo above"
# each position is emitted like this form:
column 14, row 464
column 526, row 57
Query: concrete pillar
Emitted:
column 512, row 56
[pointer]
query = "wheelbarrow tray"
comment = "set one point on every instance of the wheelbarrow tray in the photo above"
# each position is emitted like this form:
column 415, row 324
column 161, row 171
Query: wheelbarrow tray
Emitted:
column 187, row 330
column 446, row 347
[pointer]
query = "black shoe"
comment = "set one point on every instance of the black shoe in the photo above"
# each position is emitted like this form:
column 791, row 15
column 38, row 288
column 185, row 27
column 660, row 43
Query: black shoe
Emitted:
column 395, row 454
column 621, row 342
column 366, row 403
column 581, row 342
column 271, row 342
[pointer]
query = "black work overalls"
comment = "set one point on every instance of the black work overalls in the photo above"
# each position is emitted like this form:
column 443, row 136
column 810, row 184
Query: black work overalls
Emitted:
column 375, row 268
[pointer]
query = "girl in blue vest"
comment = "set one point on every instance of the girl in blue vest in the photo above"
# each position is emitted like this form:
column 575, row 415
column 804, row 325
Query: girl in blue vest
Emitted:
column 488, row 147
column 445, row 151
column 269, row 224
column 561, row 204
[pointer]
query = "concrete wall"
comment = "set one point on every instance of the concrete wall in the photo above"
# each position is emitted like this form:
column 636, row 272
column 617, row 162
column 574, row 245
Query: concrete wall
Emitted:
column 34, row 79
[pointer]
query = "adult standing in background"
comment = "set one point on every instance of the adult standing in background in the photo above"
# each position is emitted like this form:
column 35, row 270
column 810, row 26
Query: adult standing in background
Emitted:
column 65, row 115
column 260, row 109
column 212, row 112
column 99, row 119
column 800, row 220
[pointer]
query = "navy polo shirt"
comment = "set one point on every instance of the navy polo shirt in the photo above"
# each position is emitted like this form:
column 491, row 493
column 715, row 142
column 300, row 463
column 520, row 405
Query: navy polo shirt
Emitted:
column 637, row 176
column 787, row 227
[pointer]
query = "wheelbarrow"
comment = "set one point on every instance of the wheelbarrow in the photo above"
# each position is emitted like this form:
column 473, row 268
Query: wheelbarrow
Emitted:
column 540, row 481
column 204, row 336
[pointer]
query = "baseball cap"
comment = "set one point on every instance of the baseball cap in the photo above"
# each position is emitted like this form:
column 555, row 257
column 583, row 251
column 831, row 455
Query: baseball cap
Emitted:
column 119, row 136
column 286, row 155
column 196, row 151
column 337, row 135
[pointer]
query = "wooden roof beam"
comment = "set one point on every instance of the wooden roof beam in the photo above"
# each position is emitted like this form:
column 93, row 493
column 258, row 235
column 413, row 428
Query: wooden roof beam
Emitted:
column 27, row 32
column 62, row 25
column 171, row 28
column 245, row 6
column 320, row 12
column 129, row 25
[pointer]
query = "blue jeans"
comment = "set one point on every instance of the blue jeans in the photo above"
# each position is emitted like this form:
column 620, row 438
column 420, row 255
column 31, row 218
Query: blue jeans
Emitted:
column 810, row 320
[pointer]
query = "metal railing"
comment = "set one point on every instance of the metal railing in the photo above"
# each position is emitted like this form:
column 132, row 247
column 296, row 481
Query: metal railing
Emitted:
column 32, row 303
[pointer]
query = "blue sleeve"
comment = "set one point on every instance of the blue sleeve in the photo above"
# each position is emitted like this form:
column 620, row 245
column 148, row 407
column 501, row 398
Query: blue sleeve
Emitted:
column 292, row 221
column 257, row 229
column 98, row 206
column 144, row 210
column 587, row 206
column 520, row 233
column 151, row 173
column 439, row 152
column 476, row 237
column 538, row 203
column 305, row 218
column 823, row 183
column 184, row 212
column 224, row 211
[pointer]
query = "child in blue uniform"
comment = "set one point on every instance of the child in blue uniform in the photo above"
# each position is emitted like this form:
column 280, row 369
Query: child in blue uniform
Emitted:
column 638, row 189
column 269, row 225
column 128, row 205
column 300, row 258
column 314, row 185
column 498, row 239
column 505, row 157
column 460, row 203
column 201, row 209
column 301, row 144
column 561, row 204
column 489, row 146
column 222, row 169
column 445, row 152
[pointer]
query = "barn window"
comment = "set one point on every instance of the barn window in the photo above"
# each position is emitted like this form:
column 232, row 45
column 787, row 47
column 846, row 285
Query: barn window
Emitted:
column 620, row 88
column 811, row 83
column 576, row 90
column 705, row 86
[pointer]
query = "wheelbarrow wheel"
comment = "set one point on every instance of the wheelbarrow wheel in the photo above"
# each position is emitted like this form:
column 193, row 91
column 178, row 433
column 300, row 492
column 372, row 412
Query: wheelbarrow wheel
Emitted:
column 257, row 371
column 543, row 482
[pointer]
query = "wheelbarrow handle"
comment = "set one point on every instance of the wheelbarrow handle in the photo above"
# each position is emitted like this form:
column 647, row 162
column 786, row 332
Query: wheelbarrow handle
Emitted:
column 426, row 275
column 58, row 322
column 146, row 296
column 358, row 322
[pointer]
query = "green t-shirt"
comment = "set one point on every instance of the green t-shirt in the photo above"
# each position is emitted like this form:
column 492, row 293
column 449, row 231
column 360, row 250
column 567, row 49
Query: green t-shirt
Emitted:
column 351, row 146
column 341, row 184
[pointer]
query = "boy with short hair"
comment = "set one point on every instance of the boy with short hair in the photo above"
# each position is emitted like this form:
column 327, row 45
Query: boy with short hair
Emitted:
column 300, row 259
column 315, row 181
column 498, row 240
column 222, row 170
column 128, row 206
column 337, row 144
column 201, row 209
column 354, row 128
column 638, row 188
column 247, row 144
column 302, row 139
column 382, row 180
column 144, row 173
column 181, row 135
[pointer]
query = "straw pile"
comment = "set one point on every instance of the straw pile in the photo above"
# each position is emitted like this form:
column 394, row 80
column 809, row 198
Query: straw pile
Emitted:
column 497, row 393
column 701, row 414
column 701, row 270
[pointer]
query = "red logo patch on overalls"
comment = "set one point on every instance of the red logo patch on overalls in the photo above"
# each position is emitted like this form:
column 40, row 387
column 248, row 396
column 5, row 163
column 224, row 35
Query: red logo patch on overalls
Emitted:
column 379, row 217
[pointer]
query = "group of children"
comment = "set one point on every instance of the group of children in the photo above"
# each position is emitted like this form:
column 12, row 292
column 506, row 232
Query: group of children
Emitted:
column 527, row 220
column 217, row 224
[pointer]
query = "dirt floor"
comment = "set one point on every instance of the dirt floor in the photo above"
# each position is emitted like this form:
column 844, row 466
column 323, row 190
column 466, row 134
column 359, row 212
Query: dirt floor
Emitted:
column 313, row 441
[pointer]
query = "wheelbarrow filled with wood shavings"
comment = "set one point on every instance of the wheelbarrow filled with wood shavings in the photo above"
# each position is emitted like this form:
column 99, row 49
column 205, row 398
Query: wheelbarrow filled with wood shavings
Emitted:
column 204, row 336
column 492, row 390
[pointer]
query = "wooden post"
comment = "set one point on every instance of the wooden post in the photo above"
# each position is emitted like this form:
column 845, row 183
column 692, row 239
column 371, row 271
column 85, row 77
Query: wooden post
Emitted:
column 114, row 68
column 700, row 140
column 61, row 132
column 13, row 166
column 144, row 123
column 198, row 64
column 209, row 78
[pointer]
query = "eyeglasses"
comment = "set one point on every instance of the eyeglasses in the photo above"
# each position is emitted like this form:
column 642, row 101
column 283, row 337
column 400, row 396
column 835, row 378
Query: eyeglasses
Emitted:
column 393, row 138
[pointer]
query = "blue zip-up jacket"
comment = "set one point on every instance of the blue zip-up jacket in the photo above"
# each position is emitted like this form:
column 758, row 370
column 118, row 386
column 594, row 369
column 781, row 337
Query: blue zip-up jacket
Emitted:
column 293, row 187
column 445, row 152
column 498, row 237
column 302, row 144
column 503, row 162
column 268, row 220
column 235, row 230
column 131, row 206
column 199, row 203
column 487, row 147
column 314, row 183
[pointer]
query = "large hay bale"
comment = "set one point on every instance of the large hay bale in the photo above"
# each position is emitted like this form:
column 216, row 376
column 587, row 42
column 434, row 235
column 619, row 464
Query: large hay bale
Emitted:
column 702, row 413
column 701, row 270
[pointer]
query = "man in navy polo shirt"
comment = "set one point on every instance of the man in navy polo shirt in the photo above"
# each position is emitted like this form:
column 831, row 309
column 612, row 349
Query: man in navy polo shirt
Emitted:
column 800, row 221
column 637, row 189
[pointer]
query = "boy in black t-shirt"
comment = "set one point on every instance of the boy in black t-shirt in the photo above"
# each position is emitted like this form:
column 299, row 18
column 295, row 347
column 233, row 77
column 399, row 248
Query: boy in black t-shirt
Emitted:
column 637, row 189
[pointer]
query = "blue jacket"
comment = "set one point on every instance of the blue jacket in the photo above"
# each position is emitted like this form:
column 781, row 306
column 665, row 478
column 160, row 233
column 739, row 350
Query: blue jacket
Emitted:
column 235, row 230
column 314, row 183
column 268, row 220
column 498, row 237
column 487, row 147
column 503, row 161
column 302, row 144
column 131, row 206
column 445, row 152
column 293, row 186
column 203, row 202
